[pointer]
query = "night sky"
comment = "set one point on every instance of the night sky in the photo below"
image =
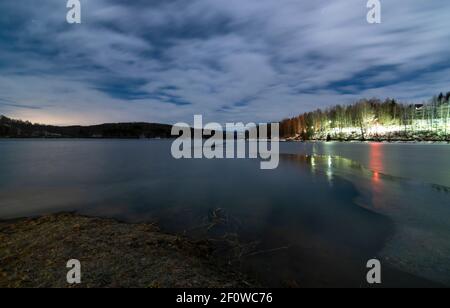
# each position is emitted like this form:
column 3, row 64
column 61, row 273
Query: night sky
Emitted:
column 233, row 60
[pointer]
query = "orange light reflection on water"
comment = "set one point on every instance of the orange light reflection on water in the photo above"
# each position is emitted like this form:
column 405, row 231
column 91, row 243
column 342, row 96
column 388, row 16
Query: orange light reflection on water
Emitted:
column 376, row 160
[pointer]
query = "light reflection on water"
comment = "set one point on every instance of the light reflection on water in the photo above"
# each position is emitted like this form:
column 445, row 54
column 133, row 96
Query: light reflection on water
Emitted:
column 420, row 211
column 329, row 204
column 428, row 163
column 376, row 159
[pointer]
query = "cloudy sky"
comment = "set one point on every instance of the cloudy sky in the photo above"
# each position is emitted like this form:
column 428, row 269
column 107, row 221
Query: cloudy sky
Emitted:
column 233, row 60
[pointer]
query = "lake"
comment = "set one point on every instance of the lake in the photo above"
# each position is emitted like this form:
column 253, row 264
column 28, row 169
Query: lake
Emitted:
column 314, row 221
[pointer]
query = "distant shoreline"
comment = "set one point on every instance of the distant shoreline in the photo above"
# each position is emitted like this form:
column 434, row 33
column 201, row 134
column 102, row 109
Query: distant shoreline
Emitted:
column 281, row 140
column 17, row 129
column 372, row 141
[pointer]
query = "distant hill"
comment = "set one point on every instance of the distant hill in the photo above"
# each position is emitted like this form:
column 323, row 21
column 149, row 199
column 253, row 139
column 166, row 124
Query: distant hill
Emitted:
column 10, row 128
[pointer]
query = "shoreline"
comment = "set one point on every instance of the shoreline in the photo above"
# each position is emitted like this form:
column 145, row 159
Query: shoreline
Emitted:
column 34, row 253
column 282, row 140
column 371, row 141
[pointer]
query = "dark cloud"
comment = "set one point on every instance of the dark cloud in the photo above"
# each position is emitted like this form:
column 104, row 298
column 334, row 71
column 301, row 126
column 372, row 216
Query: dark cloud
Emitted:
column 244, row 60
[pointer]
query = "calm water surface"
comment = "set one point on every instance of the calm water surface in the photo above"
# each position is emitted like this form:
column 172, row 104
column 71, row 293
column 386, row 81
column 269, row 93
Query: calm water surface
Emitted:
column 314, row 221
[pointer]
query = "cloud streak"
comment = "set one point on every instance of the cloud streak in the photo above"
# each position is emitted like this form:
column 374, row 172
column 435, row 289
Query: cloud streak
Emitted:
column 9, row 103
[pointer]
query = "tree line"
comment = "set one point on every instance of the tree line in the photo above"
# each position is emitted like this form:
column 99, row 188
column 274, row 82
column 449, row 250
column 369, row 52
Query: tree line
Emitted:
column 24, row 129
column 371, row 118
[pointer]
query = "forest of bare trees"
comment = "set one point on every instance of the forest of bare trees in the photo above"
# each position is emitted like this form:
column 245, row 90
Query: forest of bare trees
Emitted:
column 374, row 119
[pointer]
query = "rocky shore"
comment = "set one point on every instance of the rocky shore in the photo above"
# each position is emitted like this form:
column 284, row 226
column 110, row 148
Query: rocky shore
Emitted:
column 34, row 253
